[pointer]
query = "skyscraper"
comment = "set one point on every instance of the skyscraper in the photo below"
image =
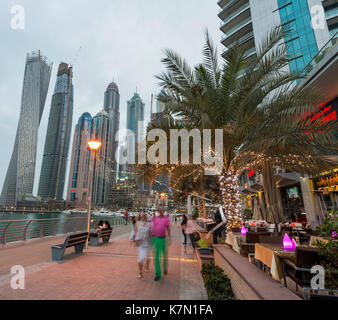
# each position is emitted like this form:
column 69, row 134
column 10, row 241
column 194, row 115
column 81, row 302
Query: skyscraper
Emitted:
column 135, row 113
column 20, row 174
column 246, row 22
column 102, row 180
column 112, row 107
column 54, row 164
column 78, row 183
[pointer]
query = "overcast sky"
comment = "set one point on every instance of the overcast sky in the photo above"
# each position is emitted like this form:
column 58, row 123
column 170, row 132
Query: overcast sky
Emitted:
column 121, row 40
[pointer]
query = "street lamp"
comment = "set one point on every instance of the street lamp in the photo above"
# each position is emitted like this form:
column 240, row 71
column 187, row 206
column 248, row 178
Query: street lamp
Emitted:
column 93, row 145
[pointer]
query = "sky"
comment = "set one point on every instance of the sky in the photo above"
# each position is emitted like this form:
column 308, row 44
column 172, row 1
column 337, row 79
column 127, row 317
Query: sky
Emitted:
column 121, row 40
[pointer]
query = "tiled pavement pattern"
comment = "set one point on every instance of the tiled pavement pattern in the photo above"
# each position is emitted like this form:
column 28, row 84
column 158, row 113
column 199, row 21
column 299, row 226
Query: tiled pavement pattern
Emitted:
column 104, row 272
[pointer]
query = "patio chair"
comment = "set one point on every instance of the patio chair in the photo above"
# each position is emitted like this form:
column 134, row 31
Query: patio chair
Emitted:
column 286, row 229
column 300, row 270
column 271, row 239
column 252, row 238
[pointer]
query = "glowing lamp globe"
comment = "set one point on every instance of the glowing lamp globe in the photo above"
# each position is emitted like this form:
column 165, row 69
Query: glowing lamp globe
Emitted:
column 253, row 223
column 288, row 244
column 292, row 224
column 94, row 145
column 243, row 231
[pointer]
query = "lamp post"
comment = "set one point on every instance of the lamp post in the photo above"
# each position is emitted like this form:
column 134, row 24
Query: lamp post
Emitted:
column 93, row 145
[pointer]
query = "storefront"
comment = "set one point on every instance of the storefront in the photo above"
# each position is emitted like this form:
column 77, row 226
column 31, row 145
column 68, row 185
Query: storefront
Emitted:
column 327, row 186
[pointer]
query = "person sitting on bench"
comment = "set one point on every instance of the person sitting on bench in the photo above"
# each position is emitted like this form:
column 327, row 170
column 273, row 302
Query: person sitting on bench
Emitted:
column 98, row 226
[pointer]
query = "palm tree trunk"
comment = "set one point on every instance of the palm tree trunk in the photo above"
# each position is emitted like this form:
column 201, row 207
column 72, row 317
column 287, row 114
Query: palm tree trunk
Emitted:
column 231, row 200
column 274, row 212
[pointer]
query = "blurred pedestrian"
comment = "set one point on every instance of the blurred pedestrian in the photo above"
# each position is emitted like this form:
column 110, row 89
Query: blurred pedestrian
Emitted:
column 142, row 241
column 184, row 224
column 134, row 228
column 126, row 216
column 160, row 230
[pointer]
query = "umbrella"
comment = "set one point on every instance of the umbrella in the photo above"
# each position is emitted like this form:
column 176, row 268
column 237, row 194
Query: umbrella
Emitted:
column 257, row 215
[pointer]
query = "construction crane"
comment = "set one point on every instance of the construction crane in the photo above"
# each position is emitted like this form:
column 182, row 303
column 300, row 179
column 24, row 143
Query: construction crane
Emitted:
column 77, row 54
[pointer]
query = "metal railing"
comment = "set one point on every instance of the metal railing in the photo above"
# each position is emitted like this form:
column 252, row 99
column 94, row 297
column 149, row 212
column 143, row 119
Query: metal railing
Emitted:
column 321, row 54
column 22, row 230
column 236, row 28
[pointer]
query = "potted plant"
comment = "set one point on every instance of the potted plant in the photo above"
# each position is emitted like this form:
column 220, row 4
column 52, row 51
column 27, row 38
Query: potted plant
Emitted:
column 203, row 247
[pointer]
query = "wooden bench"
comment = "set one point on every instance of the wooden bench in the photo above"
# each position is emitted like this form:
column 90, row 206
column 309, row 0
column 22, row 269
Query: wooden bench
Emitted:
column 77, row 240
column 104, row 234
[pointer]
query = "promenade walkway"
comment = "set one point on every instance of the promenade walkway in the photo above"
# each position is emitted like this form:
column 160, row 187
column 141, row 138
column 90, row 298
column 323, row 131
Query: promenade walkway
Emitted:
column 102, row 273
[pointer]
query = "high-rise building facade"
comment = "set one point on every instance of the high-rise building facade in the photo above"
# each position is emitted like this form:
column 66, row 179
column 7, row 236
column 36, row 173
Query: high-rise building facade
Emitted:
column 19, row 179
column 246, row 22
column 54, row 164
column 135, row 119
column 79, row 176
column 103, row 175
column 112, row 107
column 331, row 15
column 135, row 113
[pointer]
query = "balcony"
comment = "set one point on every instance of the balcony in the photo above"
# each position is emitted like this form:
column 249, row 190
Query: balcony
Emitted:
column 222, row 3
column 229, row 7
column 241, row 41
column 331, row 13
column 235, row 17
column 240, row 29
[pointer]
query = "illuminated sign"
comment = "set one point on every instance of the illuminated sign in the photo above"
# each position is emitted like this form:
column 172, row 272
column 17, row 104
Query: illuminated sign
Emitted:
column 251, row 173
column 327, row 113
column 328, row 181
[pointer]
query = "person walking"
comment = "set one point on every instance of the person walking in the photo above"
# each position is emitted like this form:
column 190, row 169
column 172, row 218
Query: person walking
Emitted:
column 160, row 229
column 218, row 232
column 126, row 216
column 134, row 229
column 184, row 224
column 142, row 241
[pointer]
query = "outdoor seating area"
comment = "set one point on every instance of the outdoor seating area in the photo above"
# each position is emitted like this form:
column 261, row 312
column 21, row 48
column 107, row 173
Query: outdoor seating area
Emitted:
column 269, row 253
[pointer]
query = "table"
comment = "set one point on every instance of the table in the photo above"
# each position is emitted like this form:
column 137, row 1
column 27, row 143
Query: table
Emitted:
column 272, row 255
column 234, row 240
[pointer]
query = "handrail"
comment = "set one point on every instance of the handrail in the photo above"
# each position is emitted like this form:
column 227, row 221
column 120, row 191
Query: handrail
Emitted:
column 320, row 54
column 25, row 229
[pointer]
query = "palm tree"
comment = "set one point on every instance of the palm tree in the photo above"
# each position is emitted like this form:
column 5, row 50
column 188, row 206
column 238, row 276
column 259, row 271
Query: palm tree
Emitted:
column 262, row 112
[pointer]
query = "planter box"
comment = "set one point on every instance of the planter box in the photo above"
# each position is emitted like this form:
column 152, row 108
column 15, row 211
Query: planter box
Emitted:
column 202, row 257
column 209, row 240
column 206, row 251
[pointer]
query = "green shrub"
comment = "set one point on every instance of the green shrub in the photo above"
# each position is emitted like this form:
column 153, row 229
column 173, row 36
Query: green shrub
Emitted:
column 217, row 284
column 202, row 243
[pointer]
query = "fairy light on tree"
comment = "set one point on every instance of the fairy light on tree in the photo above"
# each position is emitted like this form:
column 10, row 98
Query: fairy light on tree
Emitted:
column 231, row 198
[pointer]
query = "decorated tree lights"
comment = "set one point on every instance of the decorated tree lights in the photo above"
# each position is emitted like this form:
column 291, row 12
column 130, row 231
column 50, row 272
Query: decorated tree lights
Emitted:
column 231, row 199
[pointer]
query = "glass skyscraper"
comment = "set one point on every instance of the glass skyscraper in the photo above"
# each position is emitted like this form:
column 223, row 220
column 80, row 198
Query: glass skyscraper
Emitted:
column 20, row 174
column 103, row 177
column 112, row 107
column 135, row 113
column 54, row 164
column 79, row 179
column 246, row 22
